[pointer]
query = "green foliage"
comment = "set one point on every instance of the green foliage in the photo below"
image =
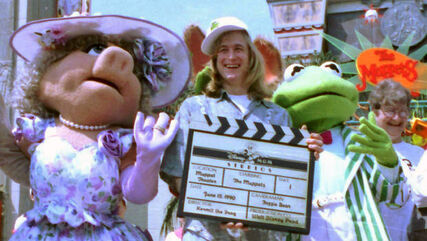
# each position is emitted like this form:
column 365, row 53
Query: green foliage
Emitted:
column 320, row 58
column 167, row 225
column 312, row 59
column 202, row 80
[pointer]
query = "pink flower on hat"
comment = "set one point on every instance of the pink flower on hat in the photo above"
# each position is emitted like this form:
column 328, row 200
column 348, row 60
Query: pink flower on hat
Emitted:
column 52, row 38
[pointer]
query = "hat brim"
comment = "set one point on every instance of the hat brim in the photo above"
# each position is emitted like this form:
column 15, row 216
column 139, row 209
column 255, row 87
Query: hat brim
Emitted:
column 208, row 42
column 25, row 42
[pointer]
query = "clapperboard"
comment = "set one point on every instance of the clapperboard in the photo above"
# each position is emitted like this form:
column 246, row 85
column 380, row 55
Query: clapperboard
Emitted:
column 250, row 172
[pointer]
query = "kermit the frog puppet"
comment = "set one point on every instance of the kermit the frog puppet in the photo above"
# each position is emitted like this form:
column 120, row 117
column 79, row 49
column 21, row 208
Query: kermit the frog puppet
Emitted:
column 354, row 171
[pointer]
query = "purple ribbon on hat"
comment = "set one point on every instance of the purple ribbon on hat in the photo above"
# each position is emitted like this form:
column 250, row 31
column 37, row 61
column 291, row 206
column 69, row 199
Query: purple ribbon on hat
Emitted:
column 155, row 63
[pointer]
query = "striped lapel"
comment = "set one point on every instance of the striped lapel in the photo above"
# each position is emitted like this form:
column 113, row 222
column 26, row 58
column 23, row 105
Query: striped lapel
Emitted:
column 368, row 223
column 354, row 160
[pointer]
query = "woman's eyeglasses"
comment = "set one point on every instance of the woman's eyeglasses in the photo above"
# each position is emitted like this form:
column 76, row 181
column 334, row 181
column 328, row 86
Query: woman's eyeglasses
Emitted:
column 391, row 111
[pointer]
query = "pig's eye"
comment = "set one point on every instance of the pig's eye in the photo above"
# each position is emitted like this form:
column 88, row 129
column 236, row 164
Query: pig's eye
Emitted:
column 96, row 49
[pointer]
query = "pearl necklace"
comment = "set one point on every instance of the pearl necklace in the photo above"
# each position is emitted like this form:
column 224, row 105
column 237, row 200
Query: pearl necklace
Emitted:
column 81, row 127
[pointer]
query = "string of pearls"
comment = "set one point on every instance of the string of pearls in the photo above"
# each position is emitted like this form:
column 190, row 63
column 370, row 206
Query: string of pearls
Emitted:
column 81, row 127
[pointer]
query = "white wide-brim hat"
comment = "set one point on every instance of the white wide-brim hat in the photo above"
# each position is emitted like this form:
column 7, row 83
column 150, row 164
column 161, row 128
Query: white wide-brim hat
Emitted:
column 26, row 43
column 218, row 27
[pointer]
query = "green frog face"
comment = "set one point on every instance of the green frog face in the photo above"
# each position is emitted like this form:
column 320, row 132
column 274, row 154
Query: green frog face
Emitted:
column 317, row 96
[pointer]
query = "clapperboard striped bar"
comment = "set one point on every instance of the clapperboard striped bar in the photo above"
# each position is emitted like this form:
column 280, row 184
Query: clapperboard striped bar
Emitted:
column 253, row 130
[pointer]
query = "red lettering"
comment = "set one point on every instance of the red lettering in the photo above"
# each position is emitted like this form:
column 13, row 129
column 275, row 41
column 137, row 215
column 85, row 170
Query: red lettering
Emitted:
column 384, row 55
column 410, row 66
column 364, row 73
column 377, row 72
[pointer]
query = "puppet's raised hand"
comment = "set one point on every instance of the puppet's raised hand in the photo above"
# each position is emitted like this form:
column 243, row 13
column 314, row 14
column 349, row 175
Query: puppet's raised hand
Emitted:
column 139, row 181
column 152, row 137
column 376, row 142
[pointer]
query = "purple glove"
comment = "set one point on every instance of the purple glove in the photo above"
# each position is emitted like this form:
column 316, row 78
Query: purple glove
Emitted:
column 140, row 181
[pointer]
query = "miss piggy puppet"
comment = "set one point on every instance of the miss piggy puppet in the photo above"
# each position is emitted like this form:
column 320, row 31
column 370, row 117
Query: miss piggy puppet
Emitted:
column 91, row 78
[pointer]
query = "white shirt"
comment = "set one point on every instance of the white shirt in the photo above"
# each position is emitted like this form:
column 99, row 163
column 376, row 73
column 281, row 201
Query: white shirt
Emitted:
column 398, row 219
column 332, row 222
column 418, row 183
column 242, row 101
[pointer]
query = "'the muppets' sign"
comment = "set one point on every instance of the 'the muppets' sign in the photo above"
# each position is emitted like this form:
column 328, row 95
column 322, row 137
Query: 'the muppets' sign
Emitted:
column 377, row 64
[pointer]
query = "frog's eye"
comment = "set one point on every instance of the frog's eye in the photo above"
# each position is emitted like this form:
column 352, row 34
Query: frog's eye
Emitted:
column 95, row 49
column 332, row 68
column 292, row 71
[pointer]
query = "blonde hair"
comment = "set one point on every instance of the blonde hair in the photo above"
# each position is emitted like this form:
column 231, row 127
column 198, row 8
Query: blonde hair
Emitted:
column 28, row 86
column 255, row 76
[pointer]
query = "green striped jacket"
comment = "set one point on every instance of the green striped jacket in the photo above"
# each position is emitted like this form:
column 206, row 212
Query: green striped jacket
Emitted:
column 365, row 187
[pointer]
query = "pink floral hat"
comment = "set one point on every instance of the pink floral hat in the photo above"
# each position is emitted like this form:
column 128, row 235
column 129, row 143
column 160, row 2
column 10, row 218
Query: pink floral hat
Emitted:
column 165, row 53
